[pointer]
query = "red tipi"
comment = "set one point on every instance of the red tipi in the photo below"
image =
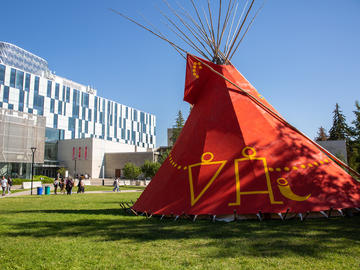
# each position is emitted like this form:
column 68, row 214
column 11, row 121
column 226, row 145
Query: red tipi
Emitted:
column 235, row 153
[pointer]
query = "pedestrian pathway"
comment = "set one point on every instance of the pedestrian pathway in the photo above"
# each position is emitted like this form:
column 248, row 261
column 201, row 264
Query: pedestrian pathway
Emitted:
column 28, row 192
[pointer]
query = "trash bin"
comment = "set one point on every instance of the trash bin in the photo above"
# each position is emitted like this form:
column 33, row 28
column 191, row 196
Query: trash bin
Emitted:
column 39, row 191
column 47, row 190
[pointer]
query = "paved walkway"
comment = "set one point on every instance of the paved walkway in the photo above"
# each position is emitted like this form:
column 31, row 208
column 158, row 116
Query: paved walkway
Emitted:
column 28, row 192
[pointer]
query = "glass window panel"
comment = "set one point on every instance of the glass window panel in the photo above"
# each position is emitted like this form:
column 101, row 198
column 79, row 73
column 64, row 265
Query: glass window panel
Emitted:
column 27, row 82
column 19, row 80
column 52, row 106
column 2, row 74
column 36, row 85
column 57, row 86
column 67, row 94
column 48, row 93
column 12, row 77
column 60, row 107
column 6, row 94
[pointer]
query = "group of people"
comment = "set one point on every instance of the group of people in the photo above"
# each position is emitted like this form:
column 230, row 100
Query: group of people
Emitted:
column 67, row 184
column 6, row 184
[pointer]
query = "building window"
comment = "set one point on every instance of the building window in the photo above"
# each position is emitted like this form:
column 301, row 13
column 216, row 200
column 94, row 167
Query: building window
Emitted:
column 2, row 74
column 57, row 86
column 39, row 104
column 68, row 94
column 48, row 93
column 85, row 154
column 60, row 107
column 63, row 93
column 6, row 94
column 52, row 106
column 85, row 100
column 27, row 82
column 79, row 152
column 55, row 121
column 21, row 100
column 12, row 77
column 19, row 80
column 36, row 85
column 89, row 115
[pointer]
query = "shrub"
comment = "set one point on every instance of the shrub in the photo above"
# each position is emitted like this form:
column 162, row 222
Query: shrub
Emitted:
column 44, row 179
column 149, row 168
column 131, row 171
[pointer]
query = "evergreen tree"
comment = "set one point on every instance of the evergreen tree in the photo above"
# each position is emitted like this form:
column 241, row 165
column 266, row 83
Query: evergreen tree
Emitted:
column 354, row 144
column 179, row 123
column 321, row 136
column 355, row 130
column 339, row 129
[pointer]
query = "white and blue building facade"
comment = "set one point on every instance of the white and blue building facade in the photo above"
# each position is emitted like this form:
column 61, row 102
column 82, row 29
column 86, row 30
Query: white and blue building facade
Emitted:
column 72, row 110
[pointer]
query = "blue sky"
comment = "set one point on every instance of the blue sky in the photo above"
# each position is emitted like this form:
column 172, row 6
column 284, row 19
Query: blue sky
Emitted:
column 303, row 56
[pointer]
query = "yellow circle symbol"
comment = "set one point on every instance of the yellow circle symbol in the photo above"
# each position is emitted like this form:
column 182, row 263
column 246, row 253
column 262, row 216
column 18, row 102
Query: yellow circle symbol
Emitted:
column 248, row 152
column 207, row 157
column 196, row 64
column 282, row 182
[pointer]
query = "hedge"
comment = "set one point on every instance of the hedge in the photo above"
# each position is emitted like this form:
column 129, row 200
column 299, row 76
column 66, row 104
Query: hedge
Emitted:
column 44, row 179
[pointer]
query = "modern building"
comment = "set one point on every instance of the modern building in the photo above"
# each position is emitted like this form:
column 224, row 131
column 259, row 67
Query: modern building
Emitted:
column 71, row 111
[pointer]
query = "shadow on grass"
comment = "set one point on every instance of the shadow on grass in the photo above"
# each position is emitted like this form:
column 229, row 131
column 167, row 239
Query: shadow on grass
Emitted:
column 272, row 238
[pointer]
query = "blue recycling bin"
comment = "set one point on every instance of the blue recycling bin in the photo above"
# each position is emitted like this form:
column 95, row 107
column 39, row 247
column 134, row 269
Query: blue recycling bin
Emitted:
column 39, row 191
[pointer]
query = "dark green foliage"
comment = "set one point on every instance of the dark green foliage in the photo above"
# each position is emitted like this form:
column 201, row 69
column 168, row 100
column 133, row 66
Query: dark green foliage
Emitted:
column 149, row 168
column 339, row 129
column 62, row 171
column 354, row 144
column 44, row 179
column 179, row 123
column 131, row 171
column 163, row 156
column 321, row 136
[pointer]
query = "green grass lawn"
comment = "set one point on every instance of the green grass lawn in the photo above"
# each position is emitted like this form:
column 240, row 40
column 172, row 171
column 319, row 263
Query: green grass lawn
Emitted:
column 109, row 188
column 90, row 231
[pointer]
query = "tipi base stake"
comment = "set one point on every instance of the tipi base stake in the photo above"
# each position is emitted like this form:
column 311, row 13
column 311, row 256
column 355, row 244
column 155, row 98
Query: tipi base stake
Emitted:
column 235, row 216
column 301, row 216
column 324, row 214
column 162, row 217
column 281, row 216
column 176, row 218
column 259, row 215
column 287, row 211
column 357, row 208
column 150, row 216
column 132, row 210
column 194, row 218
column 213, row 218
column 341, row 212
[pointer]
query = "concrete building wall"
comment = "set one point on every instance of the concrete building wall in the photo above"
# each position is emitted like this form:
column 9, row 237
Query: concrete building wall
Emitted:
column 93, row 162
column 115, row 161
column 337, row 148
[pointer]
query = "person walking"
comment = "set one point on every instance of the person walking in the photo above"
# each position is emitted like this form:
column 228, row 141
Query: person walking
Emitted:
column 56, row 185
column 9, row 184
column 62, row 185
column 3, row 185
column 69, row 185
column 116, row 185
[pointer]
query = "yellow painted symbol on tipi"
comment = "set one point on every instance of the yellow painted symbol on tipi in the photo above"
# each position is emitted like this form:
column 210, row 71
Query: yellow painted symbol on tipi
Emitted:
column 286, row 191
column 196, row 64
column 206, row 159
column 249, row 153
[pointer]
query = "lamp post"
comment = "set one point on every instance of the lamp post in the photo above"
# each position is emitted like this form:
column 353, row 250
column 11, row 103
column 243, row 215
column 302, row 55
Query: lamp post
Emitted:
column 75, row 168
column 33, row 149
